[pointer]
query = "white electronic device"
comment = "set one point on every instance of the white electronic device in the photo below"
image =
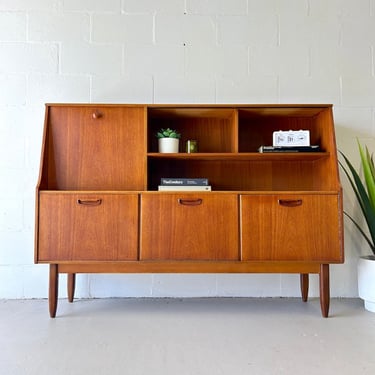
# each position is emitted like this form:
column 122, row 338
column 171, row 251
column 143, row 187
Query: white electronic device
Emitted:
column 291, row 138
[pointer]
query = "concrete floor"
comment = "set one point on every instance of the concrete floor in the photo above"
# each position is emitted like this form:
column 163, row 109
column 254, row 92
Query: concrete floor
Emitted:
column 186, row 336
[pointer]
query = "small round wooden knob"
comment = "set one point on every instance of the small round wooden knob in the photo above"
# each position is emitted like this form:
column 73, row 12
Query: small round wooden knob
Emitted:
column 96, row 115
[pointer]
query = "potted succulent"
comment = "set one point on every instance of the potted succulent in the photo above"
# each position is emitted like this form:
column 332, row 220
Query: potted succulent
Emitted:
column 365, row 194
column 168, row 140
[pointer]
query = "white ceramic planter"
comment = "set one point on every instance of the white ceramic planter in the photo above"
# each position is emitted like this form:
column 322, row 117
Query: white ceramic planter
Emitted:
column 366, row 281
column 168, row 145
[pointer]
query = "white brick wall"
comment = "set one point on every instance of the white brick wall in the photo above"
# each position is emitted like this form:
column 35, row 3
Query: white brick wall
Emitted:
column 149, row 6
column 125, row 89
column 132, row 28
column 234, row 7
column 187, row 29
column 29, row 5
column 15, row 92
column 150, row 59
column 198, row 88
column 92, row 5
column 58, row 26
column 28, row 58
column 171, row 51
column 12, row 26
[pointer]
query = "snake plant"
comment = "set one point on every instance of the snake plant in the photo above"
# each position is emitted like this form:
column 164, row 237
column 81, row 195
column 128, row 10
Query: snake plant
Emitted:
column 364, row 190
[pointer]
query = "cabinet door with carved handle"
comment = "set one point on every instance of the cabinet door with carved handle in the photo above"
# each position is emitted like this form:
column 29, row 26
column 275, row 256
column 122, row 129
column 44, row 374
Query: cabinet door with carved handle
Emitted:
column 87, row 227
column 189, row 227
column 291, row 227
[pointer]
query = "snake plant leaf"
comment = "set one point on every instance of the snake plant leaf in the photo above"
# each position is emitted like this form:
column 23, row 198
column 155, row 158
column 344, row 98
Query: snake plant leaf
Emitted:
column 367, row 171
column 355, row 181
column 365, row 236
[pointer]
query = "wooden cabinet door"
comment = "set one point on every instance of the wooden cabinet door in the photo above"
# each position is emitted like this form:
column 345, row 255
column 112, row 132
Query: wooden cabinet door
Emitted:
column 291, row 228
column 87, row 227
column 96, row 148
column 189, row 227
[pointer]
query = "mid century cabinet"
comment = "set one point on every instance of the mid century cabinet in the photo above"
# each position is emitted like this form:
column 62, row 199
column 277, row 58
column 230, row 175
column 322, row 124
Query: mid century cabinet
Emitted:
column 98, row 208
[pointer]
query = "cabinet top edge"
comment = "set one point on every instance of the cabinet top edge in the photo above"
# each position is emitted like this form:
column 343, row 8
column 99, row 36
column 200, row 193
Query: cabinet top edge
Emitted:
column 192, row 105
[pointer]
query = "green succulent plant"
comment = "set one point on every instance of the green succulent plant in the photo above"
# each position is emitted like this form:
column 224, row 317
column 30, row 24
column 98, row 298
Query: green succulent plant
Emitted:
column 168, row 133
column 364, row 191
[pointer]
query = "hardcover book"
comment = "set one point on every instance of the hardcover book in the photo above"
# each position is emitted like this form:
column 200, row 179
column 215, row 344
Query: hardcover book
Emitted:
column 184, row 181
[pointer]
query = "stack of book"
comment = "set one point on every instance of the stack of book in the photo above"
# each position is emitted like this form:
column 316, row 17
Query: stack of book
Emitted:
column 184, row 184
column 313, row 148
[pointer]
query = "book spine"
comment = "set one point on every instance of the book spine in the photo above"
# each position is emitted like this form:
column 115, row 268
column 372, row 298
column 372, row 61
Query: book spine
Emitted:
column 184, row 188
column 184, row 181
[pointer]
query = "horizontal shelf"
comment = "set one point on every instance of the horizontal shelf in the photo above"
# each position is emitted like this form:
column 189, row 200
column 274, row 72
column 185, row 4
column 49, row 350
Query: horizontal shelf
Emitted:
column 254, row 156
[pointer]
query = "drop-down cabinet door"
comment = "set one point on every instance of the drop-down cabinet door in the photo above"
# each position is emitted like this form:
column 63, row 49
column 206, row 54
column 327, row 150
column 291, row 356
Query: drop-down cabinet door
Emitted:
column 293, row 227
column 87, row 227
column 189, row 227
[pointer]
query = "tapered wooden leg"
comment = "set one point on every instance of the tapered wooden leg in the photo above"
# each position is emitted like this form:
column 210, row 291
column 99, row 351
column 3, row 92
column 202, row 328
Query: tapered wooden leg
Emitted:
column 53, row 289
column 71, row 286
column 304, row 281
column 324, row 289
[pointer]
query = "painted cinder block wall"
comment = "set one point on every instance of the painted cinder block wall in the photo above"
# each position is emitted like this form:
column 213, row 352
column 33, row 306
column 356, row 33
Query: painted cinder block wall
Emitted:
column 174, row 51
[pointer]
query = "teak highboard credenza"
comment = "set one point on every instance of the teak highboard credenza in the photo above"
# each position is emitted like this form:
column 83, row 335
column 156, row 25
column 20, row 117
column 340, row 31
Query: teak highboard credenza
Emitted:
column 98, row 208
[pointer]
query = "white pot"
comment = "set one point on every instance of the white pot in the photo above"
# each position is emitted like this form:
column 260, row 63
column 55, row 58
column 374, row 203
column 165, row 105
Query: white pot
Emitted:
column 366, row 281
column 168, row 145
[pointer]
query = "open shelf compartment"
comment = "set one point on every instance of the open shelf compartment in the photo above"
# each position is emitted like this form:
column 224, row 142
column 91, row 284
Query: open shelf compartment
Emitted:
column 215, row 129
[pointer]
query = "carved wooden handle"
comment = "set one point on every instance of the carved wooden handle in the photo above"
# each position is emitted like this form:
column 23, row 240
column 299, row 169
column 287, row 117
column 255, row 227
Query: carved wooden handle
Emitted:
column 190, row 202
column 290, row 202
column 89, row 202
